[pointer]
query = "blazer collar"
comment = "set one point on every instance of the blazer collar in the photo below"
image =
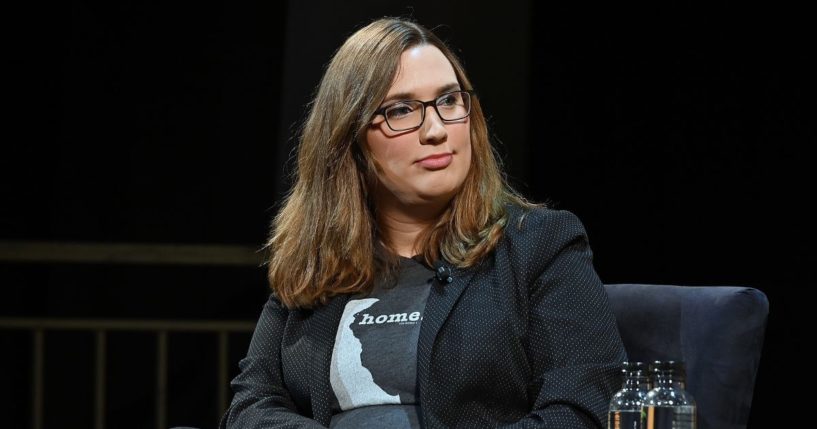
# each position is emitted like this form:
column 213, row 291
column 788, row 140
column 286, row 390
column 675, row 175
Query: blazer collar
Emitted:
column 441, row 300
column 321, row 334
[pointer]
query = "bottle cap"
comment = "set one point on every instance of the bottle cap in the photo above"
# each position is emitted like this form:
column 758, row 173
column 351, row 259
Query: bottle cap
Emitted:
column 633, row 368
column 668, row 366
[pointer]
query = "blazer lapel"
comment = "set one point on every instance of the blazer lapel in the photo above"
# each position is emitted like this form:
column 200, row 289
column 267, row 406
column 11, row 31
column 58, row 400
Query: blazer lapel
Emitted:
column 322, row 334
column 441, row 300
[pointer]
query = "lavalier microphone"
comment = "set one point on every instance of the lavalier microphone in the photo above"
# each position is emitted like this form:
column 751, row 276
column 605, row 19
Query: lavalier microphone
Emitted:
column 443, row 273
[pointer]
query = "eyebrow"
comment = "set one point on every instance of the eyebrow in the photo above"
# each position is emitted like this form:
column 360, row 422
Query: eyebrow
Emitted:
column 410, row 95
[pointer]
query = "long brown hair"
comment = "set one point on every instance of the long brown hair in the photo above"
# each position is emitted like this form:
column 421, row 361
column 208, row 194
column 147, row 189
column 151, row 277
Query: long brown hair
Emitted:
column 323, row 240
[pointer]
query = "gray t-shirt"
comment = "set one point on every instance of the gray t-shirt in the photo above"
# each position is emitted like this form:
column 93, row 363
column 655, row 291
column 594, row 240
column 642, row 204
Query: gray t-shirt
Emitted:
column 373, row 372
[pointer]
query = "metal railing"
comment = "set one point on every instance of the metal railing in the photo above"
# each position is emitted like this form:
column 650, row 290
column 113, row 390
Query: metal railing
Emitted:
column 129, row 253
column 123, row 254
column 38, row 327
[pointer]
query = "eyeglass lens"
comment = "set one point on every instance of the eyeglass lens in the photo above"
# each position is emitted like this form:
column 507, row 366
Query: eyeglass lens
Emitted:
column 405, row 115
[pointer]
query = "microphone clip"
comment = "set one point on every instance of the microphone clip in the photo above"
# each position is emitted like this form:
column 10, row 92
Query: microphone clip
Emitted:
column 442, row 273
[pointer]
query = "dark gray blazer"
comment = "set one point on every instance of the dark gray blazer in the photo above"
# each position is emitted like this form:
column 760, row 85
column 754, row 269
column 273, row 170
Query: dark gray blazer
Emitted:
column 526, row 339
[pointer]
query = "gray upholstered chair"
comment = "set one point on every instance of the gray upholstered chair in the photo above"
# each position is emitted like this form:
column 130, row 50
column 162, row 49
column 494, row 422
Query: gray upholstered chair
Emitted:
column 717, row 331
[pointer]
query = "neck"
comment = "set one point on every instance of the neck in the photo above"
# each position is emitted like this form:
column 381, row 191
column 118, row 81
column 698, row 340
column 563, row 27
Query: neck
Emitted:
column 401, row 224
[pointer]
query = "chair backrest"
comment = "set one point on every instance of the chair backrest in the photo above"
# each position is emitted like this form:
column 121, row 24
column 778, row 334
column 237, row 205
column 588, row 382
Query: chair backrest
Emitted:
column 717, row 331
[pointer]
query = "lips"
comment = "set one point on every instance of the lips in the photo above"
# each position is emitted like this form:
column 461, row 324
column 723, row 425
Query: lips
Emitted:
column 436, row 162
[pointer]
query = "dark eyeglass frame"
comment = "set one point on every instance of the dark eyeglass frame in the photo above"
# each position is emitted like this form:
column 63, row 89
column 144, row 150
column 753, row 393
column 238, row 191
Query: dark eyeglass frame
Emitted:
column 433, row 103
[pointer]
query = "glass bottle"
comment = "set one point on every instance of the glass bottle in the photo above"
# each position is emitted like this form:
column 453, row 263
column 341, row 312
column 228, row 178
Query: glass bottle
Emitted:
column 668, row 405
column 625, row 407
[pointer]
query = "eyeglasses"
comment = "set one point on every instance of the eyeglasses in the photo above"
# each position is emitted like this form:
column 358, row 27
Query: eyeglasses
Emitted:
column 408, row 115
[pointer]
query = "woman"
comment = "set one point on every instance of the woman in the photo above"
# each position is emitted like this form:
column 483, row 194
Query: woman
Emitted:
column 395, row 176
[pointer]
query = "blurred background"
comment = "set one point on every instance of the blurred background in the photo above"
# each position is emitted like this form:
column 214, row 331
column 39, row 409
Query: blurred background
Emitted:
column 148, row 145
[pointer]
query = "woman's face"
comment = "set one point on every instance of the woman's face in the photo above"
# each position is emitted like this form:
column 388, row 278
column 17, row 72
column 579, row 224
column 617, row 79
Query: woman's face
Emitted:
column 427, row 165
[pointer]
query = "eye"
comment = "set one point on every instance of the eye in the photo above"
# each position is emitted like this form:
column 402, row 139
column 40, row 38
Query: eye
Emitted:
column 399, row 110
column 448, row 100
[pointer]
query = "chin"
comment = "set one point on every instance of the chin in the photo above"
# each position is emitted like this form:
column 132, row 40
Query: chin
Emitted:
column 438, row 194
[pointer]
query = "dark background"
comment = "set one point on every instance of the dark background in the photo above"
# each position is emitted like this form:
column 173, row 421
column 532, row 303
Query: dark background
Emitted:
column 678, row 133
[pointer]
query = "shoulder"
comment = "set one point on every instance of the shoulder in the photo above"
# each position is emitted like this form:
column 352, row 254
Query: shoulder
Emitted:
column 542, row 226
column 533, row 237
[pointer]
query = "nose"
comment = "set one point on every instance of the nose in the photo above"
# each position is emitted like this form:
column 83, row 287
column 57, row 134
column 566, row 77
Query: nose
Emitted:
column 433, row 129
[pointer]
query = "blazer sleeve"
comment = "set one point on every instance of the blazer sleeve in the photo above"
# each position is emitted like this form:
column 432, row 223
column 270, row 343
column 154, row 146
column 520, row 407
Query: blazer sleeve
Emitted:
column 260, row 398
column 574, row 347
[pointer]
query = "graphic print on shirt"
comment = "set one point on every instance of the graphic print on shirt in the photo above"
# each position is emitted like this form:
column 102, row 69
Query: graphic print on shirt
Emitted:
column 374, row 361
column 353, row 384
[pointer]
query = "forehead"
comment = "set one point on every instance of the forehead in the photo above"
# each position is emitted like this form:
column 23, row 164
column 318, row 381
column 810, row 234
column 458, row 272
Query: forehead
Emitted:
column 422, row 69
